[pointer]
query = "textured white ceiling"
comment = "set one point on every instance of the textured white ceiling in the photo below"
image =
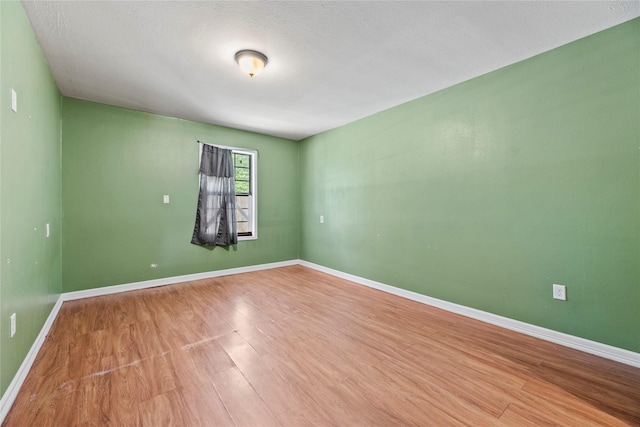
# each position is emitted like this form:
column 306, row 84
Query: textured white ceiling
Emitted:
column 330, row 63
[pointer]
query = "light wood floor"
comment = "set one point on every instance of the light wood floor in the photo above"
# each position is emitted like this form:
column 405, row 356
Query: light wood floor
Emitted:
column 295, row 347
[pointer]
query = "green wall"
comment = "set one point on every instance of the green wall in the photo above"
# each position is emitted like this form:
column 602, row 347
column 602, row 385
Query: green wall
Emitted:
column 117, row 165
column 30, row 196
column 486, row 193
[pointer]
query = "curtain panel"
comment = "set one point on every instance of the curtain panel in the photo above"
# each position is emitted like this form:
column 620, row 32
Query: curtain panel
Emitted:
column 216, row 215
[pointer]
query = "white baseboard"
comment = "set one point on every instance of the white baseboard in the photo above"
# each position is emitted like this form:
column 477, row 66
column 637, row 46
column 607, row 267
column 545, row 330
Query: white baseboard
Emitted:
column 107, row 290
column 582, row 344
column 12, row 391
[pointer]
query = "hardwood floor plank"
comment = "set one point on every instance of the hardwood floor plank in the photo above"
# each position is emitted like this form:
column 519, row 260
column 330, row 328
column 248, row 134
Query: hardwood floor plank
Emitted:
column 530, row 409
column 411, row 385
column 245, row 406
column 126, row 392
column 199, row 362
column 94, row 352
column 93, row 398
column 147, row 340
column 402, row 408
column 278, row 394
column 157, row 375
column 168, row 409
column 466, row 364
column 610, row 394
column 203, row 400
column 594, row 412
column 303, row 415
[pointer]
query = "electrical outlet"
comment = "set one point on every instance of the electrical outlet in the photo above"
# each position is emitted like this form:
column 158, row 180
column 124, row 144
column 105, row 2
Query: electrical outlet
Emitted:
column 13, row 324
column 321, row 219
column 560, row 292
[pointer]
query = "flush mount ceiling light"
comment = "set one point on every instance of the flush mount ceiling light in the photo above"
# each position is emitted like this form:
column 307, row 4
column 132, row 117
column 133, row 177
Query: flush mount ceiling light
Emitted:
column 251, row 62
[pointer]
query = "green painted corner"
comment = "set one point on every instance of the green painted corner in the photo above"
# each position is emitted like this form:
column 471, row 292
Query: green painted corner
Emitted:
column 30, row 197
column 488, row 192
column 117, row 165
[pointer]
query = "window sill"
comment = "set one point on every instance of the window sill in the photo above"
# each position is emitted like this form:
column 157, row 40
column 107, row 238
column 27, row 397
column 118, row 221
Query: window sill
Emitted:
column 243, row 238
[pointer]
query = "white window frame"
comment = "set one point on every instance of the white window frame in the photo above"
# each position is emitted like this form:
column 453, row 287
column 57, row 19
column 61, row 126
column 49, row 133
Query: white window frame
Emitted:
column 253, row 184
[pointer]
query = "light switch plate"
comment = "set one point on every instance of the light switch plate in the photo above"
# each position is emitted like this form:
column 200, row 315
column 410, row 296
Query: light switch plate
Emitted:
column 13, row 324
column 14, row 101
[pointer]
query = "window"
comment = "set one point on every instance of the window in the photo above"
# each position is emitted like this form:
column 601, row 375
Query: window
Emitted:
column 245, row 177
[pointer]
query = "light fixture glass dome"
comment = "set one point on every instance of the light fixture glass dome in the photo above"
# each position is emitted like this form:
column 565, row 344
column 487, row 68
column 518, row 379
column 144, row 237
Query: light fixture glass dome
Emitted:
column 251, row 62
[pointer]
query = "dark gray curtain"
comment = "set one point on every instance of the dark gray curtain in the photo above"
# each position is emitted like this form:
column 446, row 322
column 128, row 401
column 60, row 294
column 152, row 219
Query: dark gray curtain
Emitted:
column 216, row 215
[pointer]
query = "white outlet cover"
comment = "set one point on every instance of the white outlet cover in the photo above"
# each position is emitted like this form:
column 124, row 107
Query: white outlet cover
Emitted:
column 321, row 219
column 560, row 292
column 48, row 229
column 165, row 198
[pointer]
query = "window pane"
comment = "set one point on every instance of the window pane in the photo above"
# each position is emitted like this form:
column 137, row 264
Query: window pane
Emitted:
column 243, row 227
column 242, row 202
column 242, row 174
column 242, row 187
column 241, row 160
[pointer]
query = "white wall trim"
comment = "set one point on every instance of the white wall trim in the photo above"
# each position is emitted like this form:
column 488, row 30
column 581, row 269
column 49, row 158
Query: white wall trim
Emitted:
column 12, row 391
column 582, row 344
column 107, row 290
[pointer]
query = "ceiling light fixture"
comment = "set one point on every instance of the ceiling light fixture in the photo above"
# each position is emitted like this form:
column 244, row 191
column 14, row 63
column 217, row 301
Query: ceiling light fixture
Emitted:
column 251, row 62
